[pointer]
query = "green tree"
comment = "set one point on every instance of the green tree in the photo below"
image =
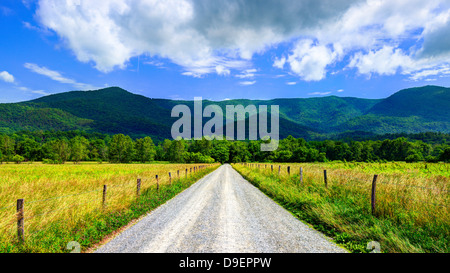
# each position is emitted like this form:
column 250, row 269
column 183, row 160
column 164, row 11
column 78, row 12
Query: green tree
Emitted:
column 315, row 156
column 284, row 156
column 300, row 154
column 7, row 147
column 162, row 151
column 197, row 158
column 79, row 148
column 57, row 150
column 62, row 149
column 29, row 149
column 356, row 148
column 176, row 151
column 413, row 157
column 121, row 149
column 145, row 149
column 445, row 155
column 18, row 159
column 220, row 152
column 238, row 152
column 367, row 152
column 203, row 146
column 98, row 150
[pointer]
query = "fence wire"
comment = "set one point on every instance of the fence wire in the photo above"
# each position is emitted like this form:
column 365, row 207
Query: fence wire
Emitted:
column 362, row 183
column 14, row 216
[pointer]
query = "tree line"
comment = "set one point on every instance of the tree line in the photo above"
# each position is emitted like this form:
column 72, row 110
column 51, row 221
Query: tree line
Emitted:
column 77, row 146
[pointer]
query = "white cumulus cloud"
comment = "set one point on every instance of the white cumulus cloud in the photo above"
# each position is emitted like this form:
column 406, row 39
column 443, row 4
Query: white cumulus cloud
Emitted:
column 195, row 34
column 5, row 76
column 309, row 60
column 385, row 61
column 204, row 36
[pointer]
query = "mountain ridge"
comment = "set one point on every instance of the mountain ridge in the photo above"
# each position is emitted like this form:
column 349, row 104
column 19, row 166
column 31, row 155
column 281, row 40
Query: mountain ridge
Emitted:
column 115, row 110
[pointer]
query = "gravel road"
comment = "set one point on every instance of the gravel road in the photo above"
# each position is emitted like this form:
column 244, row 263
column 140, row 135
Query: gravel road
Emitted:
column 221, row 213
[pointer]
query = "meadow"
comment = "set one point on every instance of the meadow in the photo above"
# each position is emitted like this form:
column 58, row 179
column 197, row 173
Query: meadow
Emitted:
column 411, row 209
column 64, row 203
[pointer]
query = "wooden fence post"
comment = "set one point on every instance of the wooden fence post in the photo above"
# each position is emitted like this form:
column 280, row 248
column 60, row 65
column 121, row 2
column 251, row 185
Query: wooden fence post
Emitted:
column 186, row 172
column 138, row 187
column 157, row 183
column 325, row 178
column 374, row 187
column 289, row 170
column 170, row 178
column 301, row 175
column 20, row 220
column 279, row 169
column 104, row 196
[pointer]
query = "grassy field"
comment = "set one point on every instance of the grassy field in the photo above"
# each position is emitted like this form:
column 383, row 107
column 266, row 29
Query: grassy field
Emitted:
column 412, row 201
column 64, row 203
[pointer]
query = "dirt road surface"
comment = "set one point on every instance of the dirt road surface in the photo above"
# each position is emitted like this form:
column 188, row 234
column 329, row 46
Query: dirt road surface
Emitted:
column 221, row 213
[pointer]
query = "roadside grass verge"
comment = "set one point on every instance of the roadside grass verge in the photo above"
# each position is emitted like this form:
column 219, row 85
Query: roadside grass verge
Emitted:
column 406, row 220
column 84, row 220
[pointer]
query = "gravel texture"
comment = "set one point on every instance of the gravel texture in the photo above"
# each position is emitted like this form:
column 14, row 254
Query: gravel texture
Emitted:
column 221, row 213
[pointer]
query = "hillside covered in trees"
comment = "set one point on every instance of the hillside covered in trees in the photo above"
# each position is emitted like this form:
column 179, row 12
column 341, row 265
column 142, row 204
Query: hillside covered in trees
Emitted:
column 117, row 111
column 76, row 146
column 115, row 125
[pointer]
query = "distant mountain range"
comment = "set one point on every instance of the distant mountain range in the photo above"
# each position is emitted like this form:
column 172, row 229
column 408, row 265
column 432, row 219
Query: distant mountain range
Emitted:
column 115, row 110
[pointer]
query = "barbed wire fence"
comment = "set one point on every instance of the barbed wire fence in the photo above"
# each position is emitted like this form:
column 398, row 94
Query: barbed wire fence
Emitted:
column 278, row 170
column 16, row 221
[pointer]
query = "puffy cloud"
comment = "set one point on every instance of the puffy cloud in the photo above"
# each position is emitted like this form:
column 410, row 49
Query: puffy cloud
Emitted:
column 5, row 76
column 221, row 70
column 436, row 38
column 195, row 34
column 385, row 61
column 204, row 36
column 309, row 60
column 377, row 36
column 279, row 63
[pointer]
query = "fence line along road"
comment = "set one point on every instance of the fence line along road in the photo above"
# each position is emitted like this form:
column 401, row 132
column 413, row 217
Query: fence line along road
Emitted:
column 21, row 210
column 373, row 187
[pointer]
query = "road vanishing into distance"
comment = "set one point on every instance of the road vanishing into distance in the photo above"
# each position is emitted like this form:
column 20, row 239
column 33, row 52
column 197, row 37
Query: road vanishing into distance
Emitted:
column 221, row 213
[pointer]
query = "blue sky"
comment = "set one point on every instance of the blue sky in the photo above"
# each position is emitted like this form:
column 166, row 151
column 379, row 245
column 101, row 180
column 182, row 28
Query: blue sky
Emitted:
column 223, row 49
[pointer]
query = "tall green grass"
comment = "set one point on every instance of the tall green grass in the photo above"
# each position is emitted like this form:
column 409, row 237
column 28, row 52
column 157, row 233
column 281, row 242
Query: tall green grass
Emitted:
column 412, row 212
column 63, row 203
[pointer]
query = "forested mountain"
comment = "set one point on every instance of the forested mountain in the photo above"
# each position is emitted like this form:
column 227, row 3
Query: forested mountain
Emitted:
column 114, row 110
